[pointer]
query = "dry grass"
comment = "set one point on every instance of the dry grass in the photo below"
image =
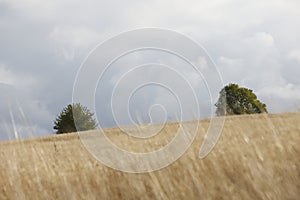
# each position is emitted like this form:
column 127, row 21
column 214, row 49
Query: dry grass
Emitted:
column 257, row 157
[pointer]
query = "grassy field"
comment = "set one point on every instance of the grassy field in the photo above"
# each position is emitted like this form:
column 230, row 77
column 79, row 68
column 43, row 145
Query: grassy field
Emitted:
column 257, row 157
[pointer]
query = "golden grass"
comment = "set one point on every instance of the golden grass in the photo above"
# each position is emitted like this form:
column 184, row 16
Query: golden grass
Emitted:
column 257, row 157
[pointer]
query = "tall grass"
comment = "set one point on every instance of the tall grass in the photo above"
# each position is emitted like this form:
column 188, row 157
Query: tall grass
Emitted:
column 257, row 157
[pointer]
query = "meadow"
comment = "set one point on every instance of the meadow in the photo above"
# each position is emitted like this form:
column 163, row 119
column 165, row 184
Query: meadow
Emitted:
column 256, row 157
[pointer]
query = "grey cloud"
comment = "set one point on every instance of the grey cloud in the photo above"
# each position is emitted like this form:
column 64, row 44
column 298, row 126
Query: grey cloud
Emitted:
column 21, row 113
column 253, row 43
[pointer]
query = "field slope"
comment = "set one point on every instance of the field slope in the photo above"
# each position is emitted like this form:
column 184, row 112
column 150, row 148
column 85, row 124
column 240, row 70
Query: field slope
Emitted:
column 257, row 157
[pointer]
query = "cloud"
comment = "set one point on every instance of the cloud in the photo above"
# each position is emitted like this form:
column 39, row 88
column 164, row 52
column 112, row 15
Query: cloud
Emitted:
column 294, row 55
column 6, row 77
column 21, row 114
column 43, row 43
column 72, row 41
column 19, row 108
column 287, row 97
column 17, row 80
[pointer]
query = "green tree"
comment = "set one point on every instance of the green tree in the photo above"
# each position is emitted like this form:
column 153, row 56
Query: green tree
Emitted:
column 64, row 123
column 235, row 100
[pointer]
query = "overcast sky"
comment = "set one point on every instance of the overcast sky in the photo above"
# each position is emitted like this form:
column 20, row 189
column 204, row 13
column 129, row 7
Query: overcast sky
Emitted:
column 254, row 43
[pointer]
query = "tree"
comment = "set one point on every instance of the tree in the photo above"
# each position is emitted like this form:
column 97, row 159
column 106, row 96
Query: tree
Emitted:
column 64, row 123
column 235, row 100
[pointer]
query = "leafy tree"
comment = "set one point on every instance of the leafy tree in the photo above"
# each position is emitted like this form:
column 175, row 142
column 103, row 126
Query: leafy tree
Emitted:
column 235, row 100
column 64, row 123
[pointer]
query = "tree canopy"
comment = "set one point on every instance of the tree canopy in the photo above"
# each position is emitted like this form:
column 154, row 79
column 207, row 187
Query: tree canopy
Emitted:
column 235, row 100
column 64, row 123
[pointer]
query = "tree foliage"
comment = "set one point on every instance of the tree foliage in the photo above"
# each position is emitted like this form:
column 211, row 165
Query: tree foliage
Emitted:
column 64, row 123
column 235, row 100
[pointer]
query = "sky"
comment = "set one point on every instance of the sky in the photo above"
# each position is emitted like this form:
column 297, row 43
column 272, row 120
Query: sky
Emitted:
column 254, row 43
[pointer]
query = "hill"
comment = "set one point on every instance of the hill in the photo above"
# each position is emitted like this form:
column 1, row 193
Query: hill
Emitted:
column 256, row 157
